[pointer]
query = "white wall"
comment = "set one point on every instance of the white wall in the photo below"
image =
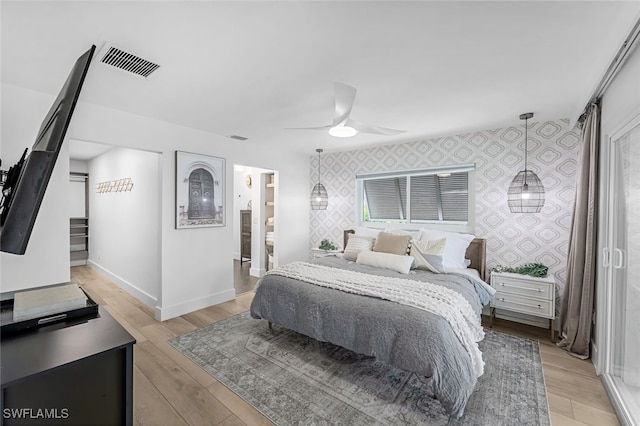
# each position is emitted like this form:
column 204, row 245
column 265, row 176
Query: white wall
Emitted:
column 77, row 198
column 78, row 166
column 619, row 104
column 196, row 264
column 46, row 260
column 124, row 227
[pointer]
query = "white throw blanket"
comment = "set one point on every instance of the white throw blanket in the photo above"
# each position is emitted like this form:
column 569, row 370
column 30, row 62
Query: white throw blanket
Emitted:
column 438, row 300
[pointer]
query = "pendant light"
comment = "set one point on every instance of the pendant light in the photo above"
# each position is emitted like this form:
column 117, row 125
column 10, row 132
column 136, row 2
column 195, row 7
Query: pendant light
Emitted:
column 526, row 192
column 319, row 196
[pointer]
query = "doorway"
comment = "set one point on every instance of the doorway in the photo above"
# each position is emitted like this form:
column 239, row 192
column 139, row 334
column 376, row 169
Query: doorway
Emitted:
column 124, row 201
column 622, row 285
column 78, row 217
column 254, row 213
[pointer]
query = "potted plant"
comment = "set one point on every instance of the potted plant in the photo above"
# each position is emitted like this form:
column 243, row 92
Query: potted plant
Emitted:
column 327, row 245
column 532, row 269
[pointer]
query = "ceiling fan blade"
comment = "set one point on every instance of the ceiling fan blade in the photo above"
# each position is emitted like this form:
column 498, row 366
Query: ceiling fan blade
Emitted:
column 370, row 128
column 344, row 97
column 327, row 127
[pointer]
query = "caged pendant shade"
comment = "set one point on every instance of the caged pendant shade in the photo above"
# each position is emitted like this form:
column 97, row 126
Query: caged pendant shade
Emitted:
column 526, row 192
column 319, row 196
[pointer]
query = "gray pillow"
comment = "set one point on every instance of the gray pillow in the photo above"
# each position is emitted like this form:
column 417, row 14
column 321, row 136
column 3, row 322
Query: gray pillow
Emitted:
column 428, row 255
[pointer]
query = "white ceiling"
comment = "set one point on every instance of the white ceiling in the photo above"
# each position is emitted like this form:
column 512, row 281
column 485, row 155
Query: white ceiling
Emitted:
column 255, row 68
column 83, row 150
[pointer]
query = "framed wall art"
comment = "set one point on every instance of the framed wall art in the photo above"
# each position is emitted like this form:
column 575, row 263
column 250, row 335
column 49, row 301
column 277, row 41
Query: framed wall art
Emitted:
column 200, row 190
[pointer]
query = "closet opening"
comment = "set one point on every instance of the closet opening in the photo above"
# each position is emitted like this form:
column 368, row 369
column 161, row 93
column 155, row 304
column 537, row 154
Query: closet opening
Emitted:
column 255, row 210
column 115, row 217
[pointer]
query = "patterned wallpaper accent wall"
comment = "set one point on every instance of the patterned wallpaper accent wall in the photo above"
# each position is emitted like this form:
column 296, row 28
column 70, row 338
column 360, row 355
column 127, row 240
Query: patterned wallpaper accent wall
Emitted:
column 512, row 239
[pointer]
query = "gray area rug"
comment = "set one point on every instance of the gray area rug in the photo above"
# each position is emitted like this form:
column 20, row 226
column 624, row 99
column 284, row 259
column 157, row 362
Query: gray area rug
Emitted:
column 295, row 380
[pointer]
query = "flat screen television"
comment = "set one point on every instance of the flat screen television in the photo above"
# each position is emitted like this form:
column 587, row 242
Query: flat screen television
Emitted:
column 27, row 180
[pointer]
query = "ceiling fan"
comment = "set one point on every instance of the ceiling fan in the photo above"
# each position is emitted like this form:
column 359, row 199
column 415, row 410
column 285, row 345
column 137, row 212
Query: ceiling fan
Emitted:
column 343, row 126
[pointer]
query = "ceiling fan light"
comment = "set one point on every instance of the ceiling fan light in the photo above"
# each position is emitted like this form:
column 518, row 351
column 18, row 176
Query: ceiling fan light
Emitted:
column 342, row 131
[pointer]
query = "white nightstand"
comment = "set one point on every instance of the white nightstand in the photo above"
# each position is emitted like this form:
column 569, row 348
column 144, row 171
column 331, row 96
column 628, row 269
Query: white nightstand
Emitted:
column 323, row 253
column 524, row 294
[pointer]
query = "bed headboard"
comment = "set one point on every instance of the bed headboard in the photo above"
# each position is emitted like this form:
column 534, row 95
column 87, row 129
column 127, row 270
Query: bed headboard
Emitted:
column 476, row 253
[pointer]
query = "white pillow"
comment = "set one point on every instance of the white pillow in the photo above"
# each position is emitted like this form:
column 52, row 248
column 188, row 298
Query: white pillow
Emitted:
column 356, row 244
column 455, row 248
column 415, row 235
column 428, row 255
column 395, row 262
column 367, row 232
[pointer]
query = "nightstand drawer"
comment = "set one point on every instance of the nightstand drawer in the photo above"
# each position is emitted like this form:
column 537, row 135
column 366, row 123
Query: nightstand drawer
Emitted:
column 529, row 288
column 526, row 305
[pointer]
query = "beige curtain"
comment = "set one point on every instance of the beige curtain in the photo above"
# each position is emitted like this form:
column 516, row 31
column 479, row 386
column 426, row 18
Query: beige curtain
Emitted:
column 577, row 304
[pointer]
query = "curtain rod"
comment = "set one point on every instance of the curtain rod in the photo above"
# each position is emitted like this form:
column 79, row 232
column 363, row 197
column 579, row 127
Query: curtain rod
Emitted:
column 615, row 66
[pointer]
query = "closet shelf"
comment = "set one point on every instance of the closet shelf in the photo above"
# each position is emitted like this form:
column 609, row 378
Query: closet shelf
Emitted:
column 79, row 237
column 270, row 219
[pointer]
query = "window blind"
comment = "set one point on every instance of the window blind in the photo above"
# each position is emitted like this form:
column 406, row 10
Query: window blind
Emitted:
column 386, row 199
column 454, row 194
column 424, row 198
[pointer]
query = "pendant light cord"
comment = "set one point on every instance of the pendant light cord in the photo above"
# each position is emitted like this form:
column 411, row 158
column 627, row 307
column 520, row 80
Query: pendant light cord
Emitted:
column 319, row 151
column 526, row 149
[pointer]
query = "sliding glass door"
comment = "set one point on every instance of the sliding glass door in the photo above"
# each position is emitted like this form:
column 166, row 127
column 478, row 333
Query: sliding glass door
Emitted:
column 622, row 346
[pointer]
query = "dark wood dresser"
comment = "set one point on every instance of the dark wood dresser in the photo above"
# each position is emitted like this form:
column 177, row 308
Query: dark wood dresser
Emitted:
column 76, row 372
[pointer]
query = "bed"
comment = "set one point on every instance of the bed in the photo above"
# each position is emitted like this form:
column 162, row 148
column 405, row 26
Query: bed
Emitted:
column 406, row 335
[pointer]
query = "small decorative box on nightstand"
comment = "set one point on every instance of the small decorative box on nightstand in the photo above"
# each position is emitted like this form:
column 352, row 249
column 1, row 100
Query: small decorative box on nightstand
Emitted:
column 525, row 294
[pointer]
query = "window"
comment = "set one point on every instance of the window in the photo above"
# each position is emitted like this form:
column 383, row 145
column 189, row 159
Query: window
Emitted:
column 439, row 195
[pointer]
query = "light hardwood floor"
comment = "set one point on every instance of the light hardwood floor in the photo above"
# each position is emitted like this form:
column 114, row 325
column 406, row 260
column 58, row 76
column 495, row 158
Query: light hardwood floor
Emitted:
column 171, row 390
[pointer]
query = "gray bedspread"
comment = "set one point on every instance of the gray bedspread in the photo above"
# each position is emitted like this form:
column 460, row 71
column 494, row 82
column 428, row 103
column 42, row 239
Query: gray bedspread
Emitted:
column 405, row 337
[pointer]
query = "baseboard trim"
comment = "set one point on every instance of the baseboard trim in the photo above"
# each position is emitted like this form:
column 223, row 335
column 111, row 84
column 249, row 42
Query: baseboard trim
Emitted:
column 595, row 357
column 257, row 272
column 141, row 295
column 167, row 312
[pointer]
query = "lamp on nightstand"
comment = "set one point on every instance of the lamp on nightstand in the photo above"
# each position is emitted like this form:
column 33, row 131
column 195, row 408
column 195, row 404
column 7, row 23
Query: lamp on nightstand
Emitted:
column 526, row 192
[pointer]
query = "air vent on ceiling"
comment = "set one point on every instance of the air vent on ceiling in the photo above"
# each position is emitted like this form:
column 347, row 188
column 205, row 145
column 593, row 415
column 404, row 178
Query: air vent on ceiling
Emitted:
column 240, row 138
column 129, row 62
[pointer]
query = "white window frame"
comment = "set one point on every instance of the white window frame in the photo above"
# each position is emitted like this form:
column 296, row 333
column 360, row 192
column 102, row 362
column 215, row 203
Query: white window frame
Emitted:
column 467, row 227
